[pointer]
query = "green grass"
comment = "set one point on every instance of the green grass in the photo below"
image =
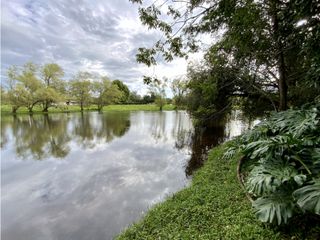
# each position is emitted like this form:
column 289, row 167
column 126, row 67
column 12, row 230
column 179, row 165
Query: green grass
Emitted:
column 137, row 107
column 6, row 109
column 213, row 207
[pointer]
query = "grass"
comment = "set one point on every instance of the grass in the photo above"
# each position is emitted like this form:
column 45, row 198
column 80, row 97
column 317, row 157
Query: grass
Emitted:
column 213, row 207
column 137, row 107
column 6, row 109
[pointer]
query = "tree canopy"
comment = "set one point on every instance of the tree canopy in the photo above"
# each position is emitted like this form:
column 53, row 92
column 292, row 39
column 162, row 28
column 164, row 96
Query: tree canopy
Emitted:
column 265, row 51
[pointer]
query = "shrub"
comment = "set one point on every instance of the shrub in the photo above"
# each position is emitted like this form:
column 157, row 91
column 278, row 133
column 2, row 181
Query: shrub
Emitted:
column 285, row 151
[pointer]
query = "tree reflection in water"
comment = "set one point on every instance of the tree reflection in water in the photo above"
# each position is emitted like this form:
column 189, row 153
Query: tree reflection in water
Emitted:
column 217, row 131
column 42, row 136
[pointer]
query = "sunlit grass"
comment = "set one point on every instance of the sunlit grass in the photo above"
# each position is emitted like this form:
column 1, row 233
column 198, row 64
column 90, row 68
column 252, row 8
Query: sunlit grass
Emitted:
column 6, row 109
column 137, row 107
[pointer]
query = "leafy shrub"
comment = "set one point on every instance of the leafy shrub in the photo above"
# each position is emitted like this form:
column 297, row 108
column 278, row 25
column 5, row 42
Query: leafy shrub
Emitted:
column 284, row 180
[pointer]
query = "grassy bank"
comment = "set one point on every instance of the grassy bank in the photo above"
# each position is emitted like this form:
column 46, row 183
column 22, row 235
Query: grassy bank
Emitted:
column 213, row 207
column 6, row 109
column 137, row 107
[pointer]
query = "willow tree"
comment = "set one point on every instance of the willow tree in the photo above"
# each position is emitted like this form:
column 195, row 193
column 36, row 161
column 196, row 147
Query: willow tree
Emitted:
column 273, row 44
column 54, row 87
column 24, row 86
column 80, row 88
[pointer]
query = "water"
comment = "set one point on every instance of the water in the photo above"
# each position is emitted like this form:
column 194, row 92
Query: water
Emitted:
column 88, row 176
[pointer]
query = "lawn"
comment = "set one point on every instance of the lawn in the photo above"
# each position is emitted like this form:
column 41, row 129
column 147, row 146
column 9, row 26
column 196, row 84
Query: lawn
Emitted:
column 6, row 109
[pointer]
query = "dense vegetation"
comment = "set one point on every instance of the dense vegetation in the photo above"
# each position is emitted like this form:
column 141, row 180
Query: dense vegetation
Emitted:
column 264, row 57
column 264, row 54
column 284, row 170
column 33, row 86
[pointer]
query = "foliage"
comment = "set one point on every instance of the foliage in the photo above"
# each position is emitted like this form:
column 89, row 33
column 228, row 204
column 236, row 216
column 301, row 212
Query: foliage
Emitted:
column 106, row 93
column 285, row 177
column 24, row 87
column 308, row 197
column 124, row 89
column 31, row 86
column 267, row 51
column 54, row 88
column 80, row 88
column 134, row 98
column 179, row 88
column 158, row 89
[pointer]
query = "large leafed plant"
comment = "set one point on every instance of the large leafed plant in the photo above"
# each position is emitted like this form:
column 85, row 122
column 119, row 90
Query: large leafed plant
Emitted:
column 284, row 178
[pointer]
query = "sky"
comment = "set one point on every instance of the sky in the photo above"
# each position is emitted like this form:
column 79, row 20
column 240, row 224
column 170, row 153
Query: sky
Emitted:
column 98, row 36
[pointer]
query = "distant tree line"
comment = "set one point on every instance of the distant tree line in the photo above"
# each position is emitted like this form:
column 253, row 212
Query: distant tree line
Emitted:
column 31, row 85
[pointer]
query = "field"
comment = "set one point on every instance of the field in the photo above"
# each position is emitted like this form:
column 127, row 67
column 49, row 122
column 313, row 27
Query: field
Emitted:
column 6, row 109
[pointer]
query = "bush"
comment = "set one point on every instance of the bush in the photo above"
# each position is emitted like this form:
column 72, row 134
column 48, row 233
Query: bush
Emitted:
column 285, row 151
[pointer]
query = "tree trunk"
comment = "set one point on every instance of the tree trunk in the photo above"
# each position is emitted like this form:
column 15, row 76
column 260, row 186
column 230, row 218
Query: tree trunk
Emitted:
column 81, row 106
column 161, row 108
column 282, row 82
column 14, row 109
column 45, row 106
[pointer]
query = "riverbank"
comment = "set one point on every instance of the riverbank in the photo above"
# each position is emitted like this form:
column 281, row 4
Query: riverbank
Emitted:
column 213, row 207
column 6, row 109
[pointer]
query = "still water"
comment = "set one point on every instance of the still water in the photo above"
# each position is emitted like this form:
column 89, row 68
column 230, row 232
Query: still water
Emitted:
column 88, row 176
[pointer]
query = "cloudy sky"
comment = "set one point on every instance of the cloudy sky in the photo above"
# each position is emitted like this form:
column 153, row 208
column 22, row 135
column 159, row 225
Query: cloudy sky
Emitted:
column 99, row 36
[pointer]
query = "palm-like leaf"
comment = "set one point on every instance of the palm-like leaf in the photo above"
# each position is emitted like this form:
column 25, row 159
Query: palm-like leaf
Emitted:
column 275, row 208
column 308, row 197
column 268, row 178
column 286, row 148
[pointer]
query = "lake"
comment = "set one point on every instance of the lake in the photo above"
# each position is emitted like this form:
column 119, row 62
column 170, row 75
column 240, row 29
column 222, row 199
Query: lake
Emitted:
column 88, row 176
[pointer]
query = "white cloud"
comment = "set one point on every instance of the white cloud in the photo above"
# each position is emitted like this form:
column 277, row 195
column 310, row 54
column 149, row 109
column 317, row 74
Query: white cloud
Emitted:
column 100, row 36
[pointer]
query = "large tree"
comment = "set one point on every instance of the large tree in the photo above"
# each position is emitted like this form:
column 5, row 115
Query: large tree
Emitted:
column 54, row 88
column 272, row 44
column 124, row 89
column 80, row 88
column 106, row 93
column 24, row 87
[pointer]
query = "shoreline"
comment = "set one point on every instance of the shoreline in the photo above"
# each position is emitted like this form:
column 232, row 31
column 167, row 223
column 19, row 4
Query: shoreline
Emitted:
column 214, row 206
column 6, row 109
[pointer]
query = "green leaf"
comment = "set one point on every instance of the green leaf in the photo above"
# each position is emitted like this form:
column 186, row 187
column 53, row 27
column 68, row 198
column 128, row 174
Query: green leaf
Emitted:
column 308, row 197
column 275, row 208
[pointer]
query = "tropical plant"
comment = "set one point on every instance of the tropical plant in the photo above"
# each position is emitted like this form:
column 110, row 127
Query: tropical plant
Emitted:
column 285, row 176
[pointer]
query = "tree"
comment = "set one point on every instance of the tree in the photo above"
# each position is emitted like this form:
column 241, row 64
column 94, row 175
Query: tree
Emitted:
column 106, row 93
column 3, row 95
column 159, row 90
column 134, row 97
column 24, row 86
column 272, row 43
column 54, row 88
column 148, row 98
column 80, row 88
column 124, row 89
column 178, row 87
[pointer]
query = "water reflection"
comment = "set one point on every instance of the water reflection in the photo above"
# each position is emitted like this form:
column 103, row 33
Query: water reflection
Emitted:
column 115, row 166
column 218, row 131
column 39, row 137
